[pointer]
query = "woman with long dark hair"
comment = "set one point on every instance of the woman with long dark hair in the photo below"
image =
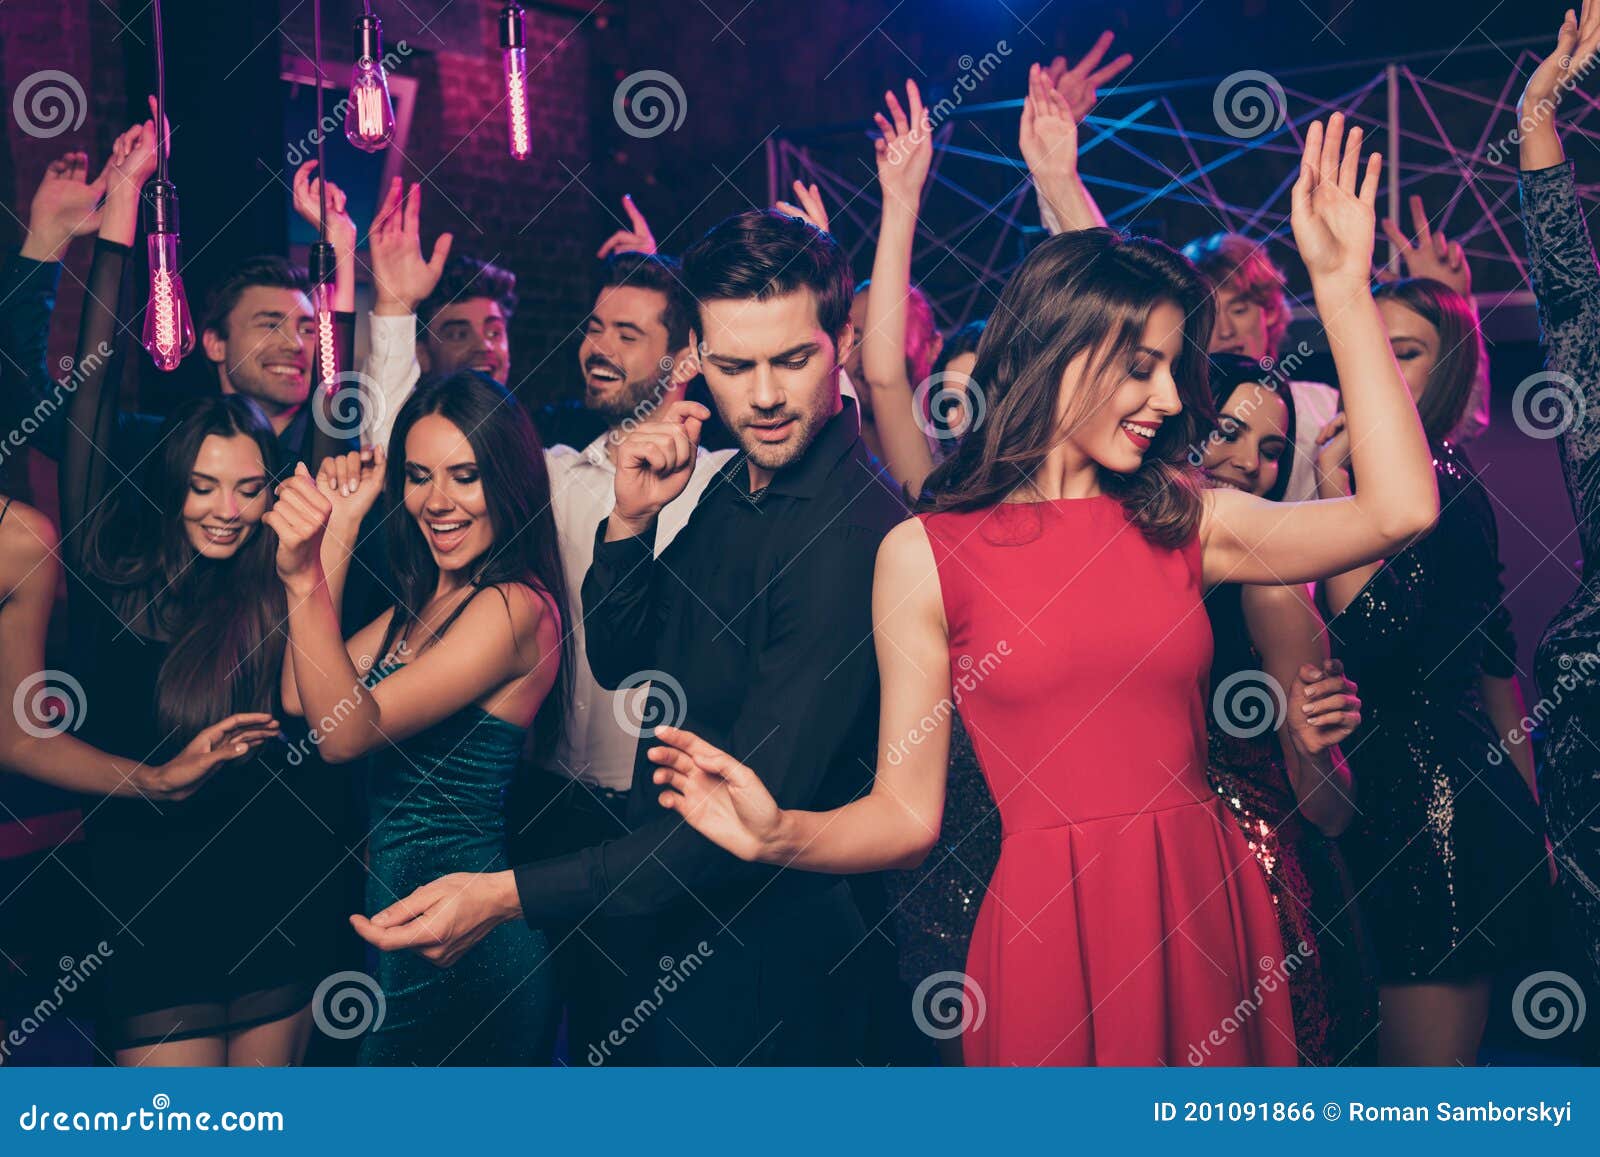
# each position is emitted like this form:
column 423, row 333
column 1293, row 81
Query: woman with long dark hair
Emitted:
column 1277, row 769
column 218, row 937
column 1447, row 845
column 1063, row 553
column 443, row 689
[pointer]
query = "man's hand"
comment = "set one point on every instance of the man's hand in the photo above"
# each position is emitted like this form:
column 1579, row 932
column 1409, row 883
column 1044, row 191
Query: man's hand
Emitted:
column 442, row 921
column 809, row 207
column 402, row 277
column 1323, row 708
column 654, row 464
column 1434, row 255
column 65, row 205
column 308, row 203
column 1080, row 85
column 635, row 239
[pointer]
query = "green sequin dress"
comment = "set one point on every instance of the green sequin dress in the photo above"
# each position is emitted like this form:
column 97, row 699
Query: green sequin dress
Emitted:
column 437, row 806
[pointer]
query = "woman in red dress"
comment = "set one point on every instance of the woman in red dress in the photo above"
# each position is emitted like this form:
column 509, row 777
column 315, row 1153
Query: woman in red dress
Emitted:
column 1052, row 586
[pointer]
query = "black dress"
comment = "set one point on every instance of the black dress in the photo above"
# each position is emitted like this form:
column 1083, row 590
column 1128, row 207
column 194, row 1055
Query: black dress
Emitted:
column 1447, row 845
column 220, row 911
column 1333, row 987
column 1566, row 283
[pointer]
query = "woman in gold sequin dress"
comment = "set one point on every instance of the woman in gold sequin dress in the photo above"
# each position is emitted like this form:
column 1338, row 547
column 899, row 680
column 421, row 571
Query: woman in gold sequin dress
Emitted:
column 1286, row 785
column 1448, row 844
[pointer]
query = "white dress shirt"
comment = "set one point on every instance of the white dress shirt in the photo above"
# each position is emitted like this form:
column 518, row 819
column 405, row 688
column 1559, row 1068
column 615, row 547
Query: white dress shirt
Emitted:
column 595, row 747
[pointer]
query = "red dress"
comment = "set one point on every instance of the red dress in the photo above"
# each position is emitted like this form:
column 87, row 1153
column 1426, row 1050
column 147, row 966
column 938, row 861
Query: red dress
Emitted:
column 1126, row 922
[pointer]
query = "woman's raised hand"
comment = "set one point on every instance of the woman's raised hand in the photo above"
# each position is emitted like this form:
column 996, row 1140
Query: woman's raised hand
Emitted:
column 1334, row 206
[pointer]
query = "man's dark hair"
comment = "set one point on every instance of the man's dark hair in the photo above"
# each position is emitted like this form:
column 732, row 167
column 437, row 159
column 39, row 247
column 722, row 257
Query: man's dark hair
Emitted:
column 761, row 254
column 465, row 278
column 664, row 275
column 267, row 270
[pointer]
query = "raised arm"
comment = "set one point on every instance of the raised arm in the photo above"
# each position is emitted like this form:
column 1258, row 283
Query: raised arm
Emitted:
column 1248, row 539
column 403, row 279
column 504, row 634
column 1079, row 86
column 897, row 823
column 1566, row 282
column 905, row 151
column 636, row 238
column 1048, row 137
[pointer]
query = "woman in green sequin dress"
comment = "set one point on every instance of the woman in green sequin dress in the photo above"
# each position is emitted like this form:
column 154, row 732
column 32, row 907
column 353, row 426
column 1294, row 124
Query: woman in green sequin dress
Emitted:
column 468, row 660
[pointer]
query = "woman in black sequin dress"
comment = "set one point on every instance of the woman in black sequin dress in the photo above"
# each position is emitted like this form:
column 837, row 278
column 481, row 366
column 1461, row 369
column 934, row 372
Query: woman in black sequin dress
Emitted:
column 1261, row 636
column 1448, row 844
column 1566, row 283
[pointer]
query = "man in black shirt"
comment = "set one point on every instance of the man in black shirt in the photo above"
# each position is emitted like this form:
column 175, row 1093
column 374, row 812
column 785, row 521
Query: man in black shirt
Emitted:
column 753, row 627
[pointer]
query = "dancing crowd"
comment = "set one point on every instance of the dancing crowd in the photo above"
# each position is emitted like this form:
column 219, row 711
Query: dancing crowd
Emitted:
column 808, row 656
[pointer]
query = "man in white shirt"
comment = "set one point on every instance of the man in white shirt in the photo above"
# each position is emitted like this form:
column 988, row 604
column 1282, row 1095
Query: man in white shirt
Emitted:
column 635, row 357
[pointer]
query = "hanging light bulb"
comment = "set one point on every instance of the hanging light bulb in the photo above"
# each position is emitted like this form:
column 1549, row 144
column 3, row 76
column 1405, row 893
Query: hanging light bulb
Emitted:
column 168, row 328
column 514, row 49
column 369, row 117
column 323, row 263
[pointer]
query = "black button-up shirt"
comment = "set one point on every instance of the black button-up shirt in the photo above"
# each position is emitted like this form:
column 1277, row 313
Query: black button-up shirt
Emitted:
column 760, row 613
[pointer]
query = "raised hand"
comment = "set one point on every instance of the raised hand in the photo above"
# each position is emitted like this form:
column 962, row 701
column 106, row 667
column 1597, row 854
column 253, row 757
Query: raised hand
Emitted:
column 905, row 149
column 65, row 205
column 1433, row 255
column 1333, row 459
column 718, row 796
column 403, row 277
column 1049, row 132
column 222, row 743
column 308, row 203
column 299, row 518
column 637, row 238
column 1323, row 708
column 654, row 464
column 1560, row 72
column 1334, row 206
column 810, row 206
column 1080, row 84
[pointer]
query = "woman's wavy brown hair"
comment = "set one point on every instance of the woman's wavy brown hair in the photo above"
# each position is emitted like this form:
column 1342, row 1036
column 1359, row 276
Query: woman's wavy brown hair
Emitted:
column 1086, row 291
